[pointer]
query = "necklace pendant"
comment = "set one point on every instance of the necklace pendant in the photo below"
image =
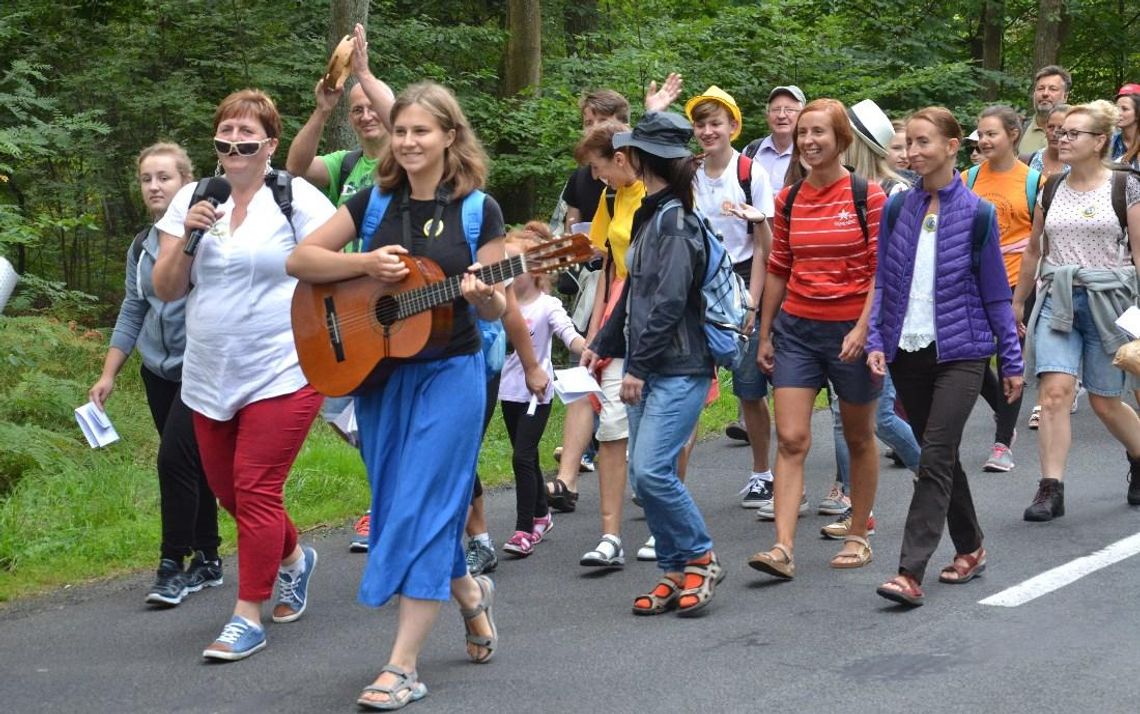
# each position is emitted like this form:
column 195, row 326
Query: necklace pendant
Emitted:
column 1089, row 211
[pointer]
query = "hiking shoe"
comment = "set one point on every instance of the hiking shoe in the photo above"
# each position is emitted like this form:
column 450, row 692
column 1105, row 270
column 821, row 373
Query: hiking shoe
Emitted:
column 1048, row 503
column 238, row 640
column 542, row 526
column 649, row 550
column 480, row 558
column 293, row 595
column 767, row 512
column 836, row 503
column 757, row 492
column 1035, row 417
column 202, row 573
column 359, row 541
column 841, row 528
column 607, row 554
column 1133, row 481
column 735, row 430
column 169, row 584
column 1001, row 460
column 519, row 545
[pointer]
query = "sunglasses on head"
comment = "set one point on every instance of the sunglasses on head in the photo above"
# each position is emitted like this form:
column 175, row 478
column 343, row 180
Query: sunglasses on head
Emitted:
column 241, row 148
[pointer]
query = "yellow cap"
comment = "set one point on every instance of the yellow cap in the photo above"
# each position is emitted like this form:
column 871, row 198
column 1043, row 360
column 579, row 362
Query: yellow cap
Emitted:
column 716, row 94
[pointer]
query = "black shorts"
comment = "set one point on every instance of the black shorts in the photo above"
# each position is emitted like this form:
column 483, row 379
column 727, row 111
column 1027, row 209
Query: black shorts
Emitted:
column 807, row 356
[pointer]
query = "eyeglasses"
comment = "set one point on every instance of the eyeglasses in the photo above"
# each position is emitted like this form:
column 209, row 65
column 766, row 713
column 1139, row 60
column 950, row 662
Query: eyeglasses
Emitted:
column 241, row 148
column 1074, row 134
column 784, row 111
column 359, row 111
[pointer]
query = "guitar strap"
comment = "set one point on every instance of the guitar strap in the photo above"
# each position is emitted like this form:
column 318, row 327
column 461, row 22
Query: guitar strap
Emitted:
column 442, row 198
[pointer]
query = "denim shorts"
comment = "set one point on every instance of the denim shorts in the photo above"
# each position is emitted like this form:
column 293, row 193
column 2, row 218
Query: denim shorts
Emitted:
column 748, row 382
column 1078, row 352
column 807, row 356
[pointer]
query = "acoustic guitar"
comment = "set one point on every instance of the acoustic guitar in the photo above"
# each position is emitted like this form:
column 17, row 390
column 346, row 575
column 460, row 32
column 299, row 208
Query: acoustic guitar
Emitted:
column 351, row 334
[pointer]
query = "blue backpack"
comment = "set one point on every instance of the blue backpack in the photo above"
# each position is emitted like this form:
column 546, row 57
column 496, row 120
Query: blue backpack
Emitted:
column 725, row 298
column 1032, row 181
column 492, row 334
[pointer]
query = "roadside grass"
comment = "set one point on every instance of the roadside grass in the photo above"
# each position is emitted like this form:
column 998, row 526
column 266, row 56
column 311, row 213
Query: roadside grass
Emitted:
column 70, row 514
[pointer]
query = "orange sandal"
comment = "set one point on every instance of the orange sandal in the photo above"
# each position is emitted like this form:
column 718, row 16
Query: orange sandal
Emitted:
column 966, row 567
column 662, row 598
column 701, row 578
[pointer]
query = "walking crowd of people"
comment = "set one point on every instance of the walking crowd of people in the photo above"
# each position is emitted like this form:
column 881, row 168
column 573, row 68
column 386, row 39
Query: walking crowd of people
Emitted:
column 901, row 267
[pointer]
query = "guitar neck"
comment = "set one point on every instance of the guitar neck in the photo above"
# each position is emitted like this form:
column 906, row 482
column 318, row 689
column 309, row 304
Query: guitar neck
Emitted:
column 445, row 291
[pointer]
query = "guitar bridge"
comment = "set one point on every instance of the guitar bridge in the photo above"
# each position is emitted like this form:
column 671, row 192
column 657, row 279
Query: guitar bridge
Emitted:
column 332, row 323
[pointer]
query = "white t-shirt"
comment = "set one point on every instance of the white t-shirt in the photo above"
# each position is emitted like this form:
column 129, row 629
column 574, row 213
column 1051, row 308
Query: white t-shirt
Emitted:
column 918, row 323
column 545, row 318
column 1082, row 228
column 239, row 339
column 713, row 193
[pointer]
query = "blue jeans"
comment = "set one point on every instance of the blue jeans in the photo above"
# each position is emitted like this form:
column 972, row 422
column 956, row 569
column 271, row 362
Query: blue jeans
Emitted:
column 658, row 427
column 895, row 432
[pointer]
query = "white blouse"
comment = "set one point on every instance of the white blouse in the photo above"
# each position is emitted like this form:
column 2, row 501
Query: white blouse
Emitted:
column 918, row 323
column 239, row 339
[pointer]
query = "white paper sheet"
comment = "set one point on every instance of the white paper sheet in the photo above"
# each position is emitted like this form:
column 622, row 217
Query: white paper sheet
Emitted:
column 573, row 384
column 345, row 423
column 96, row 425
column 1130, row 322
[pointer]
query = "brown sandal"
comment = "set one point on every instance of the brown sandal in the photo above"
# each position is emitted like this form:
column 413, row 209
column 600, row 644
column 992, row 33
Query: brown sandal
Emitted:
column 861, row 557
column 662, row 598
column 957, row 573
column 784, row 568
column 701, row 578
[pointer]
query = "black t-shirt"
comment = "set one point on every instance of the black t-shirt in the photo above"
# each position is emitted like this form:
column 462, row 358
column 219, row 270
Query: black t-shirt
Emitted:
column 450, row 249
column 583, row 192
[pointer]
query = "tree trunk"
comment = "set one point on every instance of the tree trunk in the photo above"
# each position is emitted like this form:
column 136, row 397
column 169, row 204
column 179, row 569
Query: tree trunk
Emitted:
column 523, row 70
column 993, row 22
column 343, row 18
column 1051, row 26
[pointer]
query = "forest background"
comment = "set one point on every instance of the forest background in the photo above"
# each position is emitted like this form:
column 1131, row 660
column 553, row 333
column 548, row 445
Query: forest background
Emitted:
column 85, row 84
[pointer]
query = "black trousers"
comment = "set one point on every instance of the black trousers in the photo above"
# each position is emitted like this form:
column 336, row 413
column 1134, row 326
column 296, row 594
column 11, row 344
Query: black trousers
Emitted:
column 525, row 432
column 938, row 399
column 488, row 412
column 1005, row 414
column 189, row 509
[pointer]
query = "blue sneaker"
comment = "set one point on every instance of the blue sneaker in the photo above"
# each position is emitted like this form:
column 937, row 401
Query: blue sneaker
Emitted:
column 238, row 640
column 292, row 596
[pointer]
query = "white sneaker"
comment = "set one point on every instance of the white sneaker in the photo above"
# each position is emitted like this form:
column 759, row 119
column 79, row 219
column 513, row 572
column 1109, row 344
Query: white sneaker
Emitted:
column 649, row 550
column 767, row 512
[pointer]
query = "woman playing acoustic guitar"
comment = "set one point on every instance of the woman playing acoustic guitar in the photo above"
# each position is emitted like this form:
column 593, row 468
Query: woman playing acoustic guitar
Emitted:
column 418, row 442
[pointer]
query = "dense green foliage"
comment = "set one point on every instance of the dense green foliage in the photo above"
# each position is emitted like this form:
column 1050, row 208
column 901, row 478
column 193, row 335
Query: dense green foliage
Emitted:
column 86, row 83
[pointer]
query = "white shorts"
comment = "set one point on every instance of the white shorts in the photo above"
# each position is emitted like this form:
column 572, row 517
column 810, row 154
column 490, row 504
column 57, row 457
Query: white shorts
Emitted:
column 613, row 424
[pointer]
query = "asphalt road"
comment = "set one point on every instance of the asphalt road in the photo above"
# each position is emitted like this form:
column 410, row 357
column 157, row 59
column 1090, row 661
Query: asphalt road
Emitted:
column 822, row 643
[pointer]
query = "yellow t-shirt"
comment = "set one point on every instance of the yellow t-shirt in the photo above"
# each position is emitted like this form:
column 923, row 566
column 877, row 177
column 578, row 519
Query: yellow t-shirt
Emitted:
column 1006, row 190
column 618, row 228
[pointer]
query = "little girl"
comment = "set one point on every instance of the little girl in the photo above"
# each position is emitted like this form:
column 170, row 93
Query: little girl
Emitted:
column 545, row 317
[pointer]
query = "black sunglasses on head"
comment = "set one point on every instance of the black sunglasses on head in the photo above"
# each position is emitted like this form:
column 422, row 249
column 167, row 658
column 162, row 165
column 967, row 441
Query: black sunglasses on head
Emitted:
column 241, row 148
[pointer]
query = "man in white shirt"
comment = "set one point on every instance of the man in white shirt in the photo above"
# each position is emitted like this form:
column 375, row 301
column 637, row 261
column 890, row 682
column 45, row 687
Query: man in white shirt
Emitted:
column 774, row 152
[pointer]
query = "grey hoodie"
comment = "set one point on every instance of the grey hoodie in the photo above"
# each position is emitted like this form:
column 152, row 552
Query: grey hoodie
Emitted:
column 156, row 328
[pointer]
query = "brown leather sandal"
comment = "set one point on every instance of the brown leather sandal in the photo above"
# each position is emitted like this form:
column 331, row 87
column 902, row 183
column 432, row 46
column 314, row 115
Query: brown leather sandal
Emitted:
column 966, row 567
column 784, row 568
column 847, row 560
column 662, row 598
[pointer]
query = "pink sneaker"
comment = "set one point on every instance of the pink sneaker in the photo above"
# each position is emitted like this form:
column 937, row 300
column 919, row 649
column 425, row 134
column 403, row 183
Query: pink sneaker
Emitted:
column 520, row 545
column 542, row 526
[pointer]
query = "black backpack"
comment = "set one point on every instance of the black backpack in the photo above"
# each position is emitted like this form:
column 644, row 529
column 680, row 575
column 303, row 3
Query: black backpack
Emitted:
column 281, row 184
column 347, row 164
column 858, row 196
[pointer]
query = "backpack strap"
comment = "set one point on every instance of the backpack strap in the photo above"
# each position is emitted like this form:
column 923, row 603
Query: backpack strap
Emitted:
column 972, row 176
column 859, row 197
column 347, row 164
column 611, row 200
column 471, row 214
column 788, row 203
column 281, row 184
column 980, row 233
column 1032, row 182
column 136, row 245
column 744, row 176
column 373, row 214
column 1119, row 200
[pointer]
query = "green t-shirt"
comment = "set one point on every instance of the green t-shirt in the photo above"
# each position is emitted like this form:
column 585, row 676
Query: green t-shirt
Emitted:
column 361, row 176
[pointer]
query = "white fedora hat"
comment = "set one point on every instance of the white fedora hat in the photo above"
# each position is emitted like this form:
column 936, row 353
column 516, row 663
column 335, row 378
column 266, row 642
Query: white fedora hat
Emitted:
column 872, row 125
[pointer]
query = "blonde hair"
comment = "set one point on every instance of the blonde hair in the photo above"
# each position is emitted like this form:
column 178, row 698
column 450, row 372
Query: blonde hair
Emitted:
column 532, row 234
column 182, row 161
column 868, row 164
column 464, row 162
column 1104, row 115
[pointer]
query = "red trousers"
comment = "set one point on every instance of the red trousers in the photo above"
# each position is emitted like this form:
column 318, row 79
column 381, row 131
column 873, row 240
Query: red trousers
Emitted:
column 246, row 460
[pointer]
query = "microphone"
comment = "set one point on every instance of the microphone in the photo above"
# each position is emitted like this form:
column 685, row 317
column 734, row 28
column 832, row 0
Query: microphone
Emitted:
column 216, row 190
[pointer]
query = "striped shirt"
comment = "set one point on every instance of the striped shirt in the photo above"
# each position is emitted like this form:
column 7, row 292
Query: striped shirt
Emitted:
column 828, row 265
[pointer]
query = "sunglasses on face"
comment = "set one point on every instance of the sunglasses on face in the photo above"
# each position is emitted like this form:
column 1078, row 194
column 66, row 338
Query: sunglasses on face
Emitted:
column 241, row 148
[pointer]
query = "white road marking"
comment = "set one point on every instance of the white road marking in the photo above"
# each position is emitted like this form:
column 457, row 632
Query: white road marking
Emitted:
column 1063, row 575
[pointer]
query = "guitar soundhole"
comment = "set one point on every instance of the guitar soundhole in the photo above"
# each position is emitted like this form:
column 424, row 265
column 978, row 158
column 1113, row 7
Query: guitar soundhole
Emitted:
column 387, row 310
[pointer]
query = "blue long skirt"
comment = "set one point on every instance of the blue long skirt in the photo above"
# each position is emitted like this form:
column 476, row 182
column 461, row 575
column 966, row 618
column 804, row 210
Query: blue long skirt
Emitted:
column 419, row 437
